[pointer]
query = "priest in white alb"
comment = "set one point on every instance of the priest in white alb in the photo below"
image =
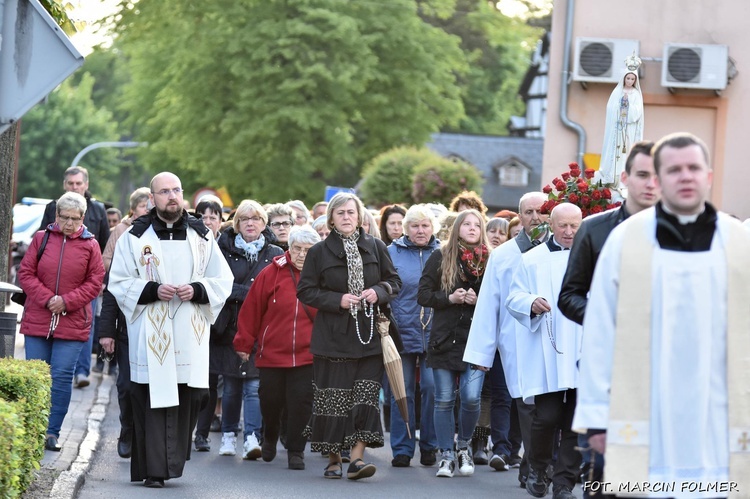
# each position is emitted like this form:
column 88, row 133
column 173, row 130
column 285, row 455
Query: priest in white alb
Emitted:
column 665, row 368
column 170, row 281
column 548, row 351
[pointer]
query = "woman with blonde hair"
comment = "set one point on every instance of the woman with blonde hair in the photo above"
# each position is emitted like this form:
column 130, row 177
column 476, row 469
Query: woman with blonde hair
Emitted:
column 449, row 285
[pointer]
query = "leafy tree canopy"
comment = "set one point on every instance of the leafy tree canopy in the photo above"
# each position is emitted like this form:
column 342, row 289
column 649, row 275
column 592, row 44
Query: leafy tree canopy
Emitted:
column 439, row 181
column 387, row 178
column 275, row 99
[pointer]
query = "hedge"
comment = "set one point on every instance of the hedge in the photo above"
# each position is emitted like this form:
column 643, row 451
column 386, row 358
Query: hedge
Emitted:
column 25, row 388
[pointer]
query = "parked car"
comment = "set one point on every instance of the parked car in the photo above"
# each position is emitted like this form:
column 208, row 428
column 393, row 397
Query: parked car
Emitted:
column 27, row 216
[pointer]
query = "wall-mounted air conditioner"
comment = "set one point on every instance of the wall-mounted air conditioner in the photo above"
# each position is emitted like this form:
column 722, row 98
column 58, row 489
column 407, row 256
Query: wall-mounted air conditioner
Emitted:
column 602, row 59
column 688, row 65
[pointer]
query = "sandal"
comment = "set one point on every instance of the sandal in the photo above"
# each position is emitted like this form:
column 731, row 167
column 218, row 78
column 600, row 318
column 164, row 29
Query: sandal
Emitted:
column 333, row 470
column 359, row 469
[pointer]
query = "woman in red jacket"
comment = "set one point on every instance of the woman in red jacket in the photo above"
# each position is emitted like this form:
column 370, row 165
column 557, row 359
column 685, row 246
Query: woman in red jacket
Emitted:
column 282, row 325
column 60, row 286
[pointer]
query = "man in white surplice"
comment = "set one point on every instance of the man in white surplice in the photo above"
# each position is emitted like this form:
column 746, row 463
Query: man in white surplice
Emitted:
column 170, row 281
column 492, row 337
column 664, row 365
column 547, row 355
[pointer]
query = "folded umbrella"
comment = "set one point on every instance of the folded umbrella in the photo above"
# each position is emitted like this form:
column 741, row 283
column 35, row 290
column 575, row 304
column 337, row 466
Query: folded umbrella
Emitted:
column 393, row 368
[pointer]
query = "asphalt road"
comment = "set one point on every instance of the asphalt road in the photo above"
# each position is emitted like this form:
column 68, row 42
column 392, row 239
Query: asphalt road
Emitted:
column 209, row 475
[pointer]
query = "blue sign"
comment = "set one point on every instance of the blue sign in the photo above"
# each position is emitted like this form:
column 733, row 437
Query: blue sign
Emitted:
column 333, row 190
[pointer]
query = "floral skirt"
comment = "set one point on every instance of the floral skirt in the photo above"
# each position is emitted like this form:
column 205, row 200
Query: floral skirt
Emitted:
column 345, row 403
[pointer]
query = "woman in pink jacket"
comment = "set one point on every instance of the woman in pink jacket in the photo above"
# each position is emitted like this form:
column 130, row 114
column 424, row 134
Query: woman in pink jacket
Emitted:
column 272, row 316
column 60, row 286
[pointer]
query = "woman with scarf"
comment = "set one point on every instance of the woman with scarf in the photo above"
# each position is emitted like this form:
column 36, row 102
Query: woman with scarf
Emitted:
column 247, row 250
column 449, row 285
column 347, row 278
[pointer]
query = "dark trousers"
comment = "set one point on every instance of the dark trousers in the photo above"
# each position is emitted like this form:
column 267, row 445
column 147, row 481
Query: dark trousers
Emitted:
column 207, row 413
column 123, row 392
column 288, row 388
column 525, row 417
column 555, row 410
column 499, row 409
column 514, row 434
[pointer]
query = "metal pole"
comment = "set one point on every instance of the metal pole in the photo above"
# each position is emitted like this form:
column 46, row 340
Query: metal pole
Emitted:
column 99, row 145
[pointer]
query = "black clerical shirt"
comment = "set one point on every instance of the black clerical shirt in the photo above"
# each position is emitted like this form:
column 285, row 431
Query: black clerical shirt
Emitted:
column 694, row 236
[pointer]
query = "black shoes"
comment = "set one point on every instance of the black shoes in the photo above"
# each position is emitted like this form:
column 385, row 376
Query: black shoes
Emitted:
column 333, row 470
column 154, row 483
column 215, row 424
column 50, row 443
column 562, row 492
column 296, row 460
column 201, row 443
column 124, row 447
column 360, row 469
column 428, row 457
column 268, row 450
column 499, row 462
column 537, row 485
column 401, row 461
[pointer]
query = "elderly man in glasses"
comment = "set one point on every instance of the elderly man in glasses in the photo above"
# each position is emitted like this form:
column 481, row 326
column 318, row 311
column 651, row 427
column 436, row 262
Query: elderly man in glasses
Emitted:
column 170, row 281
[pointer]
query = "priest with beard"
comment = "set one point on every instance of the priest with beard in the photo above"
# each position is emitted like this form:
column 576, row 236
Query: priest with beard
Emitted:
column 548, row 354
column 170, row 281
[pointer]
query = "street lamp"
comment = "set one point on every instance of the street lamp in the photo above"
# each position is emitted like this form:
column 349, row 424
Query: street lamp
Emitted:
column 99, row 145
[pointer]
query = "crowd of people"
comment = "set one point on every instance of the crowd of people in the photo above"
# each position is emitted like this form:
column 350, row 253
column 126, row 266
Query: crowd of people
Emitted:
column 524, row 337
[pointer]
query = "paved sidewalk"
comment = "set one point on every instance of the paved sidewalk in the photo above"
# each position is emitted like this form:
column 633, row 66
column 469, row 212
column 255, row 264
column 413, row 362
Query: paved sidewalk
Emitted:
column 79, row 436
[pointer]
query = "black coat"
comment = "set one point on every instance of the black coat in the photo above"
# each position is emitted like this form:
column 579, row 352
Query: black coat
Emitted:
column 324, row 281
column 223, row 359
column 95, row 219
column 587, row 246
column 451, row 322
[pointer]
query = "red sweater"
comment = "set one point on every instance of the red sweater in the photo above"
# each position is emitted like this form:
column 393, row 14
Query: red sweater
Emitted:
column 274, row 317
column 73, row 266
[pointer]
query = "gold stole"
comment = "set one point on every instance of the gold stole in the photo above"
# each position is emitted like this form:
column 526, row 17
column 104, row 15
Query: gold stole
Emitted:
column 627, row 459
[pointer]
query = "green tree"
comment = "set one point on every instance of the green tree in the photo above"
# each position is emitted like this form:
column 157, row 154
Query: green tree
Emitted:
column 387, row 178
column 275, row 99
column 496, row 49
column 440, row 180
column 54, row 132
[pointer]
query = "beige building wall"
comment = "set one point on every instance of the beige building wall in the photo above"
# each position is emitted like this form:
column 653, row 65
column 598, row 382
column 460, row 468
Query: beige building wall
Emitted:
column 722, row 121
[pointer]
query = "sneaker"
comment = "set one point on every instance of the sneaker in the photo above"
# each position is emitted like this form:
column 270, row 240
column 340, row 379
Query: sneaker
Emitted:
column 499, row 462
column 201, row 443
column 401, row 461
column 251, row 447
column 81, row 381
column 228, row 444
column 428, row 457
column 515, row 461
column 537, row 484
column 215, row 424
column 465, row 463
column 446, row 467
column 562, row 492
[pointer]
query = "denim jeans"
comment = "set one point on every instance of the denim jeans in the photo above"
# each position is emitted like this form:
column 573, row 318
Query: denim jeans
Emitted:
column 61, row 356
column 401, row 444
column 241, row 393
column 83, row 364
column 499, row 409
column 470, row 389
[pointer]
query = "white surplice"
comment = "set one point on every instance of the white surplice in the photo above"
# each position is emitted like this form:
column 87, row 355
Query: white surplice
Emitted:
column 168, row 340
column 542, row 369
column 688, row 431
column 493, row 328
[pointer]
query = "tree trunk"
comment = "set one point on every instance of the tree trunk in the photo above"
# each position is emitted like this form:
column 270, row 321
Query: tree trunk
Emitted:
column 8, row 160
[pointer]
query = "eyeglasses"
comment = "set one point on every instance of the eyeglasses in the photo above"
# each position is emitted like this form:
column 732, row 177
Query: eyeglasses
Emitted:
column 166, row 192
column 244, row 220
column 276, row 225
column 297, row 249
column 65, row 220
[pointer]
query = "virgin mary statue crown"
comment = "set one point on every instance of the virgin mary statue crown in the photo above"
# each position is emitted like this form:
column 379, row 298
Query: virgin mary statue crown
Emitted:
column 633, row 62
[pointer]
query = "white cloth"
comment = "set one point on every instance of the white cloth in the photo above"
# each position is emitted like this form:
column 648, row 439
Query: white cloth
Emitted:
column 493, row 328
column 688, row 433
column 168, row 340
column 613, row 158
column 543, row 370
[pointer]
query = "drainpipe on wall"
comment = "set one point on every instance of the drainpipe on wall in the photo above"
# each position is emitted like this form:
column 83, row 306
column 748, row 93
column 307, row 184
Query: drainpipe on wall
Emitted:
column 564, row 83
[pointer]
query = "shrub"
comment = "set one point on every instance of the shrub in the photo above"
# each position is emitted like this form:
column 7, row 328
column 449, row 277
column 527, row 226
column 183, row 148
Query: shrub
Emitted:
column 386, row 179
column 440, row 180
column 25, row 386
column 11, row 434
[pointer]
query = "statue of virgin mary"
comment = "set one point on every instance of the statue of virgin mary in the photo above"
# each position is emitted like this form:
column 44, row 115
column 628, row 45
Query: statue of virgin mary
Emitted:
column 624, row 125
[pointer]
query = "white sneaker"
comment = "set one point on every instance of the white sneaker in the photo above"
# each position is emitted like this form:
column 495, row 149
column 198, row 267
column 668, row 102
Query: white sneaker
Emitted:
column 228, row 444
column 446, row 467
column 251, row 447
column 465, row 463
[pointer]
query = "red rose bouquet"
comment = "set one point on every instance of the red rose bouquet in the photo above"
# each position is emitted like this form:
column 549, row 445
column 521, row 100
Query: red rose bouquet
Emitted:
column 576, row 186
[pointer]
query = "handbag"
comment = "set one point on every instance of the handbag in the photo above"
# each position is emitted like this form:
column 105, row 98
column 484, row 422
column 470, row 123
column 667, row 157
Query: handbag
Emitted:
column 20, row 297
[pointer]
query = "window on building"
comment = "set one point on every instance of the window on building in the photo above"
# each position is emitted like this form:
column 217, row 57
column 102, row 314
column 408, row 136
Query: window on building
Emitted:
column 513, row 174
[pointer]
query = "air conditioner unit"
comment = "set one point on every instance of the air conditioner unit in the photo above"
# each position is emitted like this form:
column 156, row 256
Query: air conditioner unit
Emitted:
column 602, row 59
column 687, row 65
